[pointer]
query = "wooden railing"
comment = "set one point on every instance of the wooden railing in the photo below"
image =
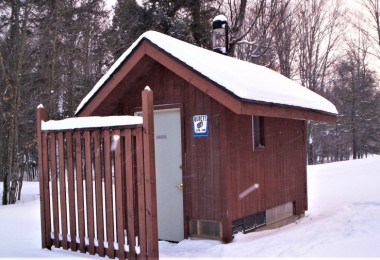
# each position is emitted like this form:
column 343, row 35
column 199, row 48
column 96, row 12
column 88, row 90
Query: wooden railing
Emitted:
column 97, row 187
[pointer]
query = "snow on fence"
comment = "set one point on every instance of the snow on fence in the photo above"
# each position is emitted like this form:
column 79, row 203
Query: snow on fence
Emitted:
column 97, row 185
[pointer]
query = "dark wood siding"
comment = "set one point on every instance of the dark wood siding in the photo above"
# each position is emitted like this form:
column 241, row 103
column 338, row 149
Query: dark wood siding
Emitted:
column 279, row 168
column 201, row 161
column 218, row 168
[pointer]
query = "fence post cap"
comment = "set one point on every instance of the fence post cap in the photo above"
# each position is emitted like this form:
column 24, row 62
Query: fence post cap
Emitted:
column 147, row 88
column 40, row 106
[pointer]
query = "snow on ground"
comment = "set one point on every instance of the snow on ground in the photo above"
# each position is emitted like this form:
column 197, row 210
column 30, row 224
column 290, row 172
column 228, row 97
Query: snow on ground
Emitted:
column 343, row 221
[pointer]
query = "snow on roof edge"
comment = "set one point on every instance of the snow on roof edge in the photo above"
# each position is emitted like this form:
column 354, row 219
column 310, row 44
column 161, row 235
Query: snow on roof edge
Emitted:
column 90, row 122
column 266, row 86
column 244, row 99
column 108, row 74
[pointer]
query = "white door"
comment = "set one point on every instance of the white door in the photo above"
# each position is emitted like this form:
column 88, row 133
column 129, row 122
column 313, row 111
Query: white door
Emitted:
column 168, row 155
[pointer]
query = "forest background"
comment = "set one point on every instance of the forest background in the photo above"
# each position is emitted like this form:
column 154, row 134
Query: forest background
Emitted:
column 53, row 52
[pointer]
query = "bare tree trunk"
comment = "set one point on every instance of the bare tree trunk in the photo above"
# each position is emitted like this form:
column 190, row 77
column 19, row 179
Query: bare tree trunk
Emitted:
column 318, row 34
column 18, row 35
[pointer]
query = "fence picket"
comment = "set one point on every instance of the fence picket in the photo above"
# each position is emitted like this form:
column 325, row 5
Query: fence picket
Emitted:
column 98, row 191
column 109, row 194
column 62, row 189
column 141, row 193
column 129, row 194
column 46, row 199
column 116, row 144
column 54, row 188
column 89, row 192
column 71, row 190
column 94, row 194
column 80, row 196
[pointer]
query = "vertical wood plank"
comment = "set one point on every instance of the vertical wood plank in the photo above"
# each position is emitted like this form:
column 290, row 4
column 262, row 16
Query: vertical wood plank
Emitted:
column 54, row 188
column 150, row 175
column 47, row 178
column 41, row 116
column 116, row 139
column 141, row 194
column 208, row 157
column 192, row 155
column 62, row 188
column 188, row 176
column 129, row 192
column 89, row 193
column 98, row 191
column 200, row 160
column 80, row 197
column 216, row 162
column 71, row 190
column 108, row 193
column 225, row 179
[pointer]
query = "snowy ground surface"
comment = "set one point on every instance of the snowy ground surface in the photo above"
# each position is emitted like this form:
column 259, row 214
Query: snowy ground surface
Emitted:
column 343, row 221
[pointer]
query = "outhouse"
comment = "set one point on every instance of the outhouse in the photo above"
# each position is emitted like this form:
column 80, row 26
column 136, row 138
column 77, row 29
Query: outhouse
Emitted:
column 230, row 136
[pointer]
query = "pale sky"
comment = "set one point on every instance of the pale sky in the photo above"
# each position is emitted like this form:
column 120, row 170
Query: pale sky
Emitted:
column 109, row 3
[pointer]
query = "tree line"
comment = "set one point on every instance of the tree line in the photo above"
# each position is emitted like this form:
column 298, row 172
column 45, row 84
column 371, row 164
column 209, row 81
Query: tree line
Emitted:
column 53, row 52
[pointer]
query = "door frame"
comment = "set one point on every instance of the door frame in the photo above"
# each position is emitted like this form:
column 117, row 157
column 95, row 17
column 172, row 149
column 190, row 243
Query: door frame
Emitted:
column 186, row 184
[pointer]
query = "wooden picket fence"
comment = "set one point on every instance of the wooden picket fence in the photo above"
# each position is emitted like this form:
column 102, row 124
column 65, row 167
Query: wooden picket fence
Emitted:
column 97, row 187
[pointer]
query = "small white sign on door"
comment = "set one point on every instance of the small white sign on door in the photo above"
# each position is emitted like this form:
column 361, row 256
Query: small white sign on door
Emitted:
column 200, row 125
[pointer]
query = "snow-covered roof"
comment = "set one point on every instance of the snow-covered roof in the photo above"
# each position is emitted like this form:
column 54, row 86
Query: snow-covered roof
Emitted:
column 91, row 122
column 246, row 81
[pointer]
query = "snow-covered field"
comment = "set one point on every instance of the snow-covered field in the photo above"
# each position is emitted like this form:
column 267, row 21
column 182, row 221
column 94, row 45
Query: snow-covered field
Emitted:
column 343, row 221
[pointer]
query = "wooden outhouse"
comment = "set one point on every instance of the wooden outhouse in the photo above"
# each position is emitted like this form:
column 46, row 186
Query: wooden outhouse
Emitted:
column 230, row 136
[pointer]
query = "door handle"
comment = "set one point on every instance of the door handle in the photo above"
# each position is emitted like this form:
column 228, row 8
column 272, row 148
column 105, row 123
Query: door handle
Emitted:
column 180, row 186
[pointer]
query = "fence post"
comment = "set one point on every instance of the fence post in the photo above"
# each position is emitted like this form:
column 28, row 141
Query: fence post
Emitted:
column 41, row 116
column 150, row 174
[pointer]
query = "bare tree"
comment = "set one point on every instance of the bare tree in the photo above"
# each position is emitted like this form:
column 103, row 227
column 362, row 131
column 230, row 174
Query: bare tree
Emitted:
column 371, row 25
column 15, row 49
column 319, row 31
column 252, row 28
column 356, row 96
column 50, row 53
column 286, row 43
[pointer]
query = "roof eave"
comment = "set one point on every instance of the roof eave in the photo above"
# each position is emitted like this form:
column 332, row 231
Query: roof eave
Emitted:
column 211, row 88
column 229, row 99
column 258, row 108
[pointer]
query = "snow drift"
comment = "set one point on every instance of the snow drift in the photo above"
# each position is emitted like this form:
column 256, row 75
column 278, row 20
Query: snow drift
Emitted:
column 343, row 221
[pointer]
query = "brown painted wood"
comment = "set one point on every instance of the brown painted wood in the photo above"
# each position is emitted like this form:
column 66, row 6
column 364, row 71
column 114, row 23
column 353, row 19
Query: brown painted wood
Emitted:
column 194, row 190
column 206, row 86
column 46, row 191
column 89, row 193
column 98, row 191
column 71, row 189
column 239, row 164
column 54, row 188
column 272, row 110
column 115, row 79
column 119, row 193
column 208, row 163
column 202, row 160
column 193, row 78
column 219, row 167
column 62, row 189
column 140, row 190
column 110, row 252
column 128, row 167
column 41, row 116
column 80, row 191
column 225, row 180
column 150, row 175
column 216, row 160
column 87, row 154
column 239, row 107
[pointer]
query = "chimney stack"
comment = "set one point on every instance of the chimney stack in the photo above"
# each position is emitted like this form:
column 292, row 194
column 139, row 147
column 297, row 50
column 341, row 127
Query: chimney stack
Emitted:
column 220, row 34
